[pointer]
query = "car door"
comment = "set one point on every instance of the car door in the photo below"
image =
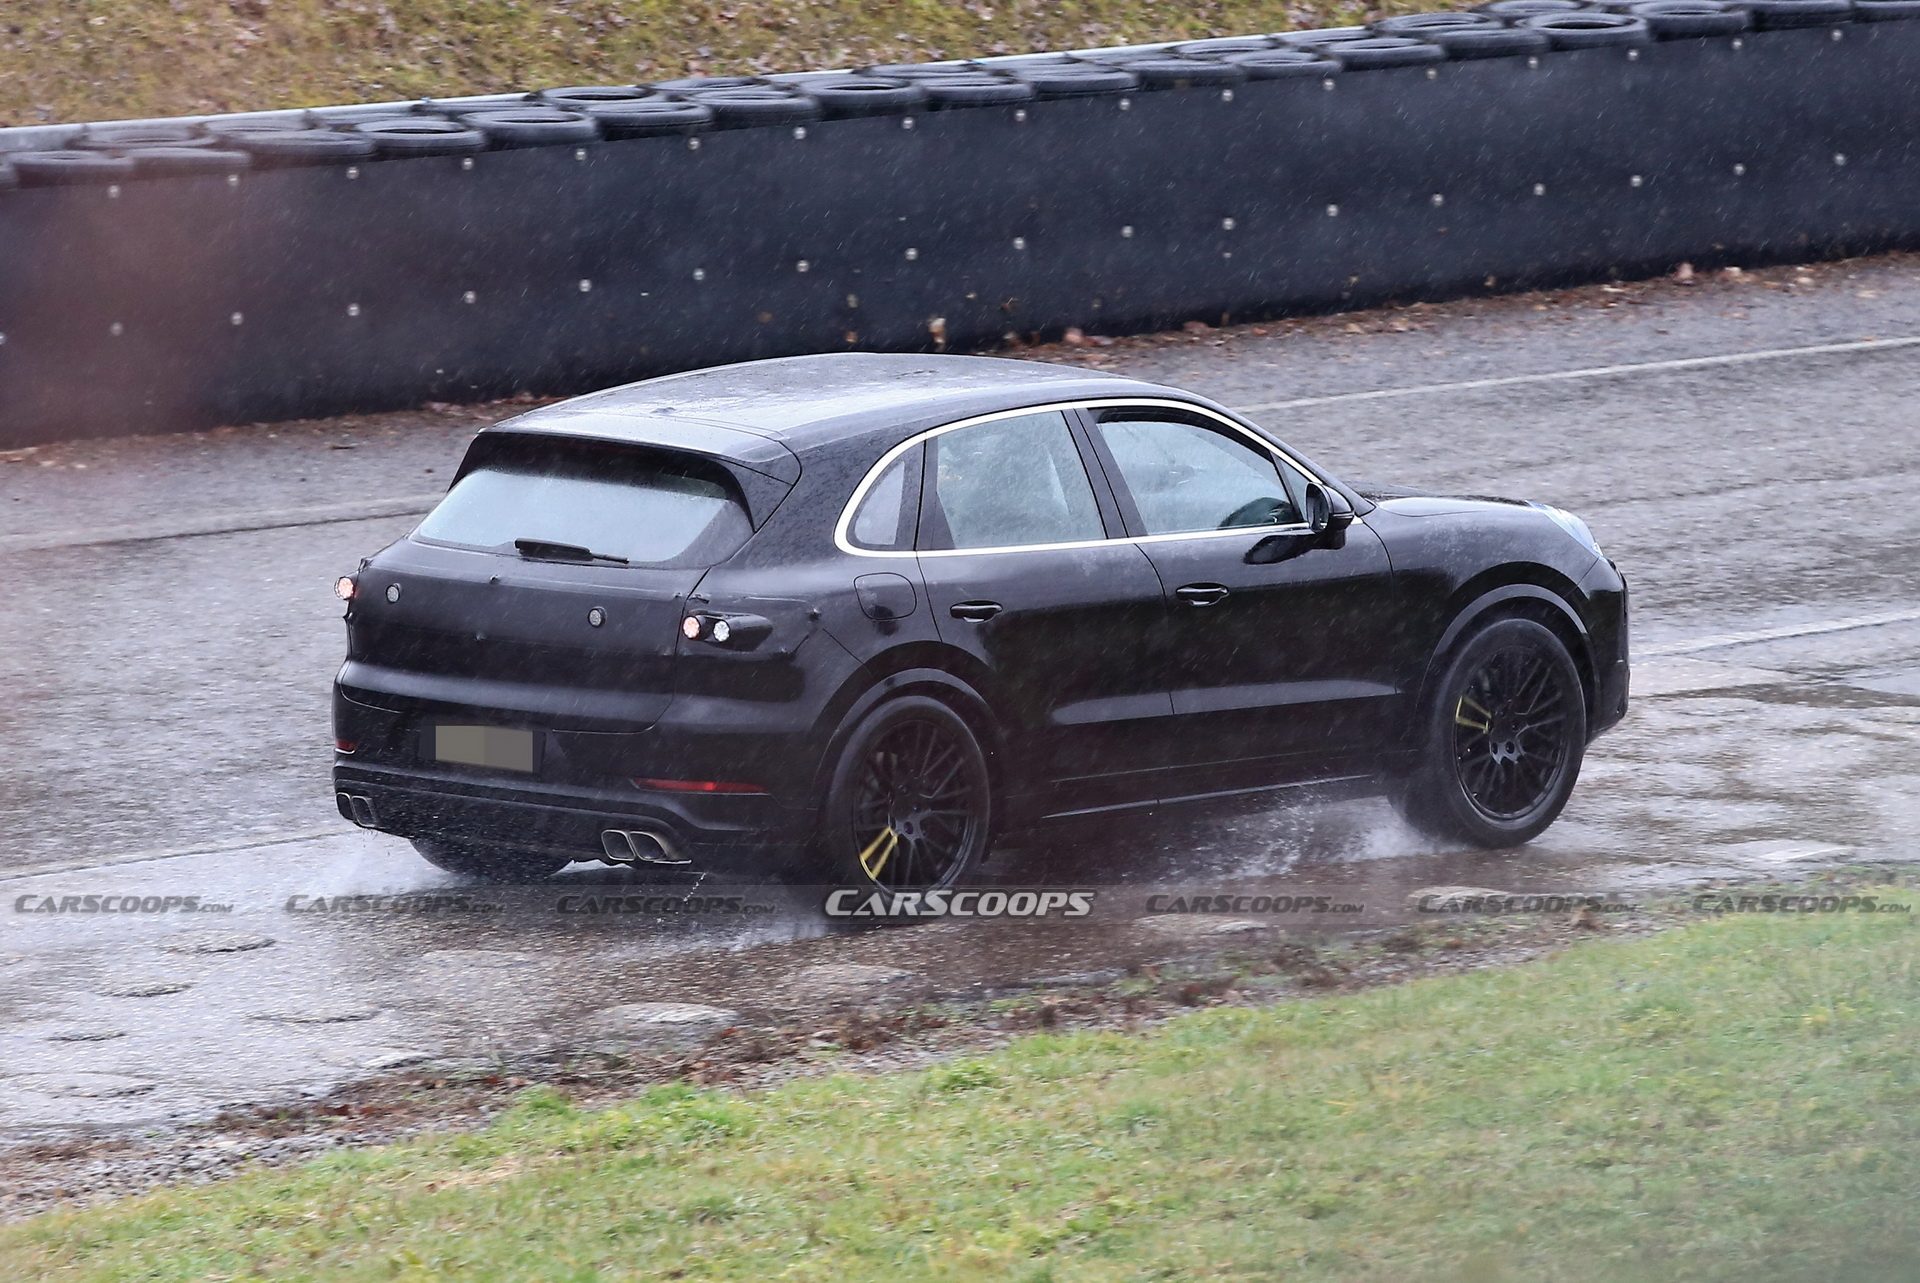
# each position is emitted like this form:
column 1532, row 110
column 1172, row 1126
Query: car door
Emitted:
column 1290, row 656
column 1027, row 568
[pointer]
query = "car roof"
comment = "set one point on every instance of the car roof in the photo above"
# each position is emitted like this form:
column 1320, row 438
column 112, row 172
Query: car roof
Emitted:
column 808, row 401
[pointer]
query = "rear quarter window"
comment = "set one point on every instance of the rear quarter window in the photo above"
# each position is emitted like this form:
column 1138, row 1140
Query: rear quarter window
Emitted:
column 888, row 511
column 645, row 507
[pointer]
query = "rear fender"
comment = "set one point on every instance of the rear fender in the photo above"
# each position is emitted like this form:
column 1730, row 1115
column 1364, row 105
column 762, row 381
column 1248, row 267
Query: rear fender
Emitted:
column 870, row 688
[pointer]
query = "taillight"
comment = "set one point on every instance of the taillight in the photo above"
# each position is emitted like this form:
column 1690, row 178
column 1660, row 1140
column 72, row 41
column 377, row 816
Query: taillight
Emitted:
column 345, row 746
column 736, row 632
column 344, row 587
column 699, row 786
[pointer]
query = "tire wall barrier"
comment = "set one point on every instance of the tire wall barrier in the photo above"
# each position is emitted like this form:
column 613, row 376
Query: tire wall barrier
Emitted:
column 186, row 297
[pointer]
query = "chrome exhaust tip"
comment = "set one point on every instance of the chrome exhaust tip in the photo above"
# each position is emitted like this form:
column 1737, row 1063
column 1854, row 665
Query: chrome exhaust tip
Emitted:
column 640, row 846
column 357, row 808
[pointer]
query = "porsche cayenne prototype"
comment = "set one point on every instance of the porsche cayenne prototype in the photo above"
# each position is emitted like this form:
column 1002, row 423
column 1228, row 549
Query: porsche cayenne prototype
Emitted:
column 856, row 616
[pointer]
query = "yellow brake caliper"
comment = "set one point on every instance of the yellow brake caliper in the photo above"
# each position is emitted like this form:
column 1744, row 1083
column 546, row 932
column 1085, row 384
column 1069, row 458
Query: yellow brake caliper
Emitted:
column 875, row 857
column 1460, row 715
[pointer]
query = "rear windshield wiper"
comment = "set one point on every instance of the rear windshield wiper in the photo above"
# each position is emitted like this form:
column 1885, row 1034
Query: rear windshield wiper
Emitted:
column 552, row 551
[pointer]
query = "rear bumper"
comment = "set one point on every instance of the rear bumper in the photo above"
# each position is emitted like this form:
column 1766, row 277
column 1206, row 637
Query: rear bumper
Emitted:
column 583, row 782
column 743, row 832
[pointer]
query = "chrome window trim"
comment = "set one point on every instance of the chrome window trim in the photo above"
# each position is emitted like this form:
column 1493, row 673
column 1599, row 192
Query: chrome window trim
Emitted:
column 845, row 523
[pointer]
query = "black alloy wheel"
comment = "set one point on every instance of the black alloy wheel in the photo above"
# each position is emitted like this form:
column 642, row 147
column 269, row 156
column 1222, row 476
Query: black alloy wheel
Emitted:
column 1506, row 729
column 1510, row 732
column 910, row 806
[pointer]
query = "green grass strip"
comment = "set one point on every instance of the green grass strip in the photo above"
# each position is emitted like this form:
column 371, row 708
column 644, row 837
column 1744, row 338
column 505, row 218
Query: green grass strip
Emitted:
column 1736, row 1099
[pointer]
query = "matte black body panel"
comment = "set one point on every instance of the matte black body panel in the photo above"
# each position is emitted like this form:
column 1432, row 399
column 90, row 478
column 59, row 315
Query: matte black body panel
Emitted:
column 1073, row 663
column 1296, row 659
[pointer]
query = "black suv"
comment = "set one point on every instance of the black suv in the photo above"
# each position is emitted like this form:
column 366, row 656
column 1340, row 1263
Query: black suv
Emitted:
column 855, row 615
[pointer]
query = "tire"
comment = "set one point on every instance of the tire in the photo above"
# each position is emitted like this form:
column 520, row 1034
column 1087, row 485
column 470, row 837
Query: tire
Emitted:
column 422, row 136
column 148, row 161
column 1425, row 24
column 864, row 96
column 1684, row 19
column 692, row 84
column 1505, row 730
column 1073, row 79
column 152, row 134
column 1165, row 71
column 584, row 98
column 754, row 105
column 978, row 90
column 1515, row 10
column 1369, row 54
column 1281, row 64
column 1467, row 43
column 1321, row 38
column 227, row 131
column 532, row 126
column 1591, row 30
column 650, row 118
column 68, row 168
column 1225, row 45
column 303, row 146
column 1885, row 10
column 489, row 863
column 912, row 769
column 919, row 70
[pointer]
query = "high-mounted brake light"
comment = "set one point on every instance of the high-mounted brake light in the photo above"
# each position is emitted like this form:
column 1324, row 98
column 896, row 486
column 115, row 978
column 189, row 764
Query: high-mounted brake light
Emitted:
column 344, row 587
column 699, row 786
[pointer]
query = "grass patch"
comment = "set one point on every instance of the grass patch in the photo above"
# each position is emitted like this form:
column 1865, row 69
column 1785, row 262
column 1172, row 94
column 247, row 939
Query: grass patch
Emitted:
column 1737, row 1099
column 107, row 59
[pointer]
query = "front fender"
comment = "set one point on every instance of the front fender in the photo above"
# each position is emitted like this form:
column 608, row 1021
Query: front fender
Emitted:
column 1521, row 600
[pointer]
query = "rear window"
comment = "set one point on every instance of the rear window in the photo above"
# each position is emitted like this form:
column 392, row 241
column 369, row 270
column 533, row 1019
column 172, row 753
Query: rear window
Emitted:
column 648, row 508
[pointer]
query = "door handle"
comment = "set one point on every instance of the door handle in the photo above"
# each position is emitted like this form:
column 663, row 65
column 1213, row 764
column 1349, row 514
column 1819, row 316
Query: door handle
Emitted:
column 1202, row 594
column 977, row 611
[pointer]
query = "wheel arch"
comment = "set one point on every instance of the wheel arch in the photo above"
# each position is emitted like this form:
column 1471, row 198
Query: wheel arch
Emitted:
column 1539, row 602
column 941, row 672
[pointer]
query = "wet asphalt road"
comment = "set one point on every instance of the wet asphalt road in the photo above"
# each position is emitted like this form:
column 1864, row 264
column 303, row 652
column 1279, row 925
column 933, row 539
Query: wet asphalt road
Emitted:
column 165, row 710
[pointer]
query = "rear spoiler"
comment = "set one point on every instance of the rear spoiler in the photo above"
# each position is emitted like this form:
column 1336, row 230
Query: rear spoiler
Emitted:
column 763, row 469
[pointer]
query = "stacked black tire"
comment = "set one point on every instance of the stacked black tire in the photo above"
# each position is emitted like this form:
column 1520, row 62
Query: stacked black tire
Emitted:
column 583, row 114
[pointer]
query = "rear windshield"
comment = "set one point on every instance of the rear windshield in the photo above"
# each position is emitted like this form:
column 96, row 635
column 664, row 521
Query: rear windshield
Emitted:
column 648, row 508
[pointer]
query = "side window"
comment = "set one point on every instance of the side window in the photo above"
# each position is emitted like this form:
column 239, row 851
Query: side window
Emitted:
column 1185, row 477
column 890, row 509
column 1008, row 482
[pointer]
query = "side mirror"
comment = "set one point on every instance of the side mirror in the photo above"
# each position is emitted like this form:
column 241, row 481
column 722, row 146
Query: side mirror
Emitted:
column 1327, row 515
column 1327, row 511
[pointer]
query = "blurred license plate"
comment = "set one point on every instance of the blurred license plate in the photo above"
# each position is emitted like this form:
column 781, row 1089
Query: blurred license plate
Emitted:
column 494, row 746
